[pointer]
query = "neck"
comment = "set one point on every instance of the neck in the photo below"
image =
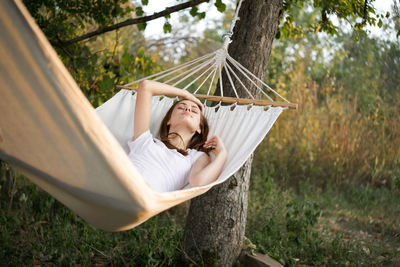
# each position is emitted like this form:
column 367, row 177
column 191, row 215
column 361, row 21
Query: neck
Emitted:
column 181, row 139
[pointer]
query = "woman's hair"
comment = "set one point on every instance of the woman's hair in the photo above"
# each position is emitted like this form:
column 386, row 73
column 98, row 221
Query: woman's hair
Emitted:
column 198, row 139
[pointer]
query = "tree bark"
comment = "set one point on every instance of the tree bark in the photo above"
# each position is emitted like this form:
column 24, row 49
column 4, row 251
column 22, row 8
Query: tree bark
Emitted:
column 216, row 222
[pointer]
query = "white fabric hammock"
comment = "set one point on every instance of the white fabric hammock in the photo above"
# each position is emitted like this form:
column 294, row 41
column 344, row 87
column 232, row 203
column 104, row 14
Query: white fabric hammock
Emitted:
column 240, row 129
column 51, row 133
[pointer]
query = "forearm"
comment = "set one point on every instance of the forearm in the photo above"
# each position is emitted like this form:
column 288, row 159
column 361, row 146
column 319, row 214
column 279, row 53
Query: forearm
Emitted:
column 145, row 91
column 156, row 88
column 209, row 173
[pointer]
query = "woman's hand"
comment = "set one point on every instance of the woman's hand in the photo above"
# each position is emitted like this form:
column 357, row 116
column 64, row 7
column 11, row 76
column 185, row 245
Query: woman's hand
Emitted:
column 205, row 170
column 219, row 147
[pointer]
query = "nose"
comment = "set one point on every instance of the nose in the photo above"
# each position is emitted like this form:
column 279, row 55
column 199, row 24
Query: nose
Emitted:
column 187, row 108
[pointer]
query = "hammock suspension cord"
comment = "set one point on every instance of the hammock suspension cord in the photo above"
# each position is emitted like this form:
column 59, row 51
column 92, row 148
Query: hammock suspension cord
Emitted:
column 205, row 69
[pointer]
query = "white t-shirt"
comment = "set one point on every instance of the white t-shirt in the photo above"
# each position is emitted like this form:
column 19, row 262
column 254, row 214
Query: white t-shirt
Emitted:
column 162, row 168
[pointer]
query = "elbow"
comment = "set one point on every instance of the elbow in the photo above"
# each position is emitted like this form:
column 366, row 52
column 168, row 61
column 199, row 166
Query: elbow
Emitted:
column 142, row 85
column 146, row 86
column 195, row 182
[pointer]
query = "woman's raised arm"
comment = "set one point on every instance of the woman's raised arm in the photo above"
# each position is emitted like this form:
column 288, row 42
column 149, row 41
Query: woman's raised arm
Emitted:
column 145, row 91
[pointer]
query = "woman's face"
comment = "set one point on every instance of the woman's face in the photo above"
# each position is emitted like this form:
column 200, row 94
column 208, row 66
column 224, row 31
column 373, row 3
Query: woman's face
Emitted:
column 186, row 113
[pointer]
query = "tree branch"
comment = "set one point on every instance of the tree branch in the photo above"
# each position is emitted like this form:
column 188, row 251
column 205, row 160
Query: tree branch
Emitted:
column 365, row 12
column 128, row 22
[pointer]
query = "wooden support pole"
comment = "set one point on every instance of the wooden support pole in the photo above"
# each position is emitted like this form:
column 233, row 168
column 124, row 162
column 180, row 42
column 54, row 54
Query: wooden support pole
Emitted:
column 239, row 101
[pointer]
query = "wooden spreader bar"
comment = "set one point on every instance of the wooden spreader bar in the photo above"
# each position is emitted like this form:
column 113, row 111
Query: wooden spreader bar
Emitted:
column 239, row 101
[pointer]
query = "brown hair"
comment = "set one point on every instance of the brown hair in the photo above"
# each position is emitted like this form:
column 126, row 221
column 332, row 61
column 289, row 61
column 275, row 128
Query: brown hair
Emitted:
column 197, row 140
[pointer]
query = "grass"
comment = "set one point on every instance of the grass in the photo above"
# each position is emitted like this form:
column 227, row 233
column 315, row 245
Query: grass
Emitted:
column 367, row 217
column 35, row 229
column 330, row 227
column 303, row 226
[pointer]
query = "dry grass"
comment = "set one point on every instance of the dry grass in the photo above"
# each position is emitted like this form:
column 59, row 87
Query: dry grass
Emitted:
column 329, row 139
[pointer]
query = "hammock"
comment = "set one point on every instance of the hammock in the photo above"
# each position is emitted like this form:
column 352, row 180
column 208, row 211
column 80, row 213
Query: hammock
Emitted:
column 50, row 132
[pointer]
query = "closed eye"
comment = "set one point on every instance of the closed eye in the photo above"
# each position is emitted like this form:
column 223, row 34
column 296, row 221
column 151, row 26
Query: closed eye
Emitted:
column 193, row 109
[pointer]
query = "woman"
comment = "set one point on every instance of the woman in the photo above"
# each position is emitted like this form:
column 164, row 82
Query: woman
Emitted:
column 177, row 160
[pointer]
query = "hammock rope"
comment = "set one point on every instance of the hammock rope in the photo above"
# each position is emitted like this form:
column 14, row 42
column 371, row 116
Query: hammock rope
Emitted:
column 218, row 62
column 211, row 66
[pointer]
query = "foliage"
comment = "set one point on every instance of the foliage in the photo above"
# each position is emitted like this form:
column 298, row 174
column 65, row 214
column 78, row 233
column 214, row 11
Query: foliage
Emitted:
column 351, row 64
column 109, row 60
column 97, row 66
column 62, row 21
column 358, row 14
column 346, row 130
column 331, row 139
column 65, row 19
column 372, row 60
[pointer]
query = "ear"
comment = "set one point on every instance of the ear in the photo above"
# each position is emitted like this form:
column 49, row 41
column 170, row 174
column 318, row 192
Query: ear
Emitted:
column 198, row 130
column 169, row 123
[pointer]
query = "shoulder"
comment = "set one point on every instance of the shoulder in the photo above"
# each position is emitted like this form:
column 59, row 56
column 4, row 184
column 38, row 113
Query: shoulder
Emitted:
column 146, row 135
column 142, row 139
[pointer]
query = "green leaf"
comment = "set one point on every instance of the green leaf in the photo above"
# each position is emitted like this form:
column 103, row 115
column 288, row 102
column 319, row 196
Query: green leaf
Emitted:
column 145, row 2
column 220, row 6
column 139, row 11
column 194, row 11
column 106, row 83
column 141, row 52
column 126, row 58
column 285, row 31
column 380, row 23
column 167, row 27
column 201, row 15
column 141, row 26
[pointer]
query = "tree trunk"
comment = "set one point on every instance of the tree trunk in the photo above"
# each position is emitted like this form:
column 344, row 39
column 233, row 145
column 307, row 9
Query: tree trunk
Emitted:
column 215, row 225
